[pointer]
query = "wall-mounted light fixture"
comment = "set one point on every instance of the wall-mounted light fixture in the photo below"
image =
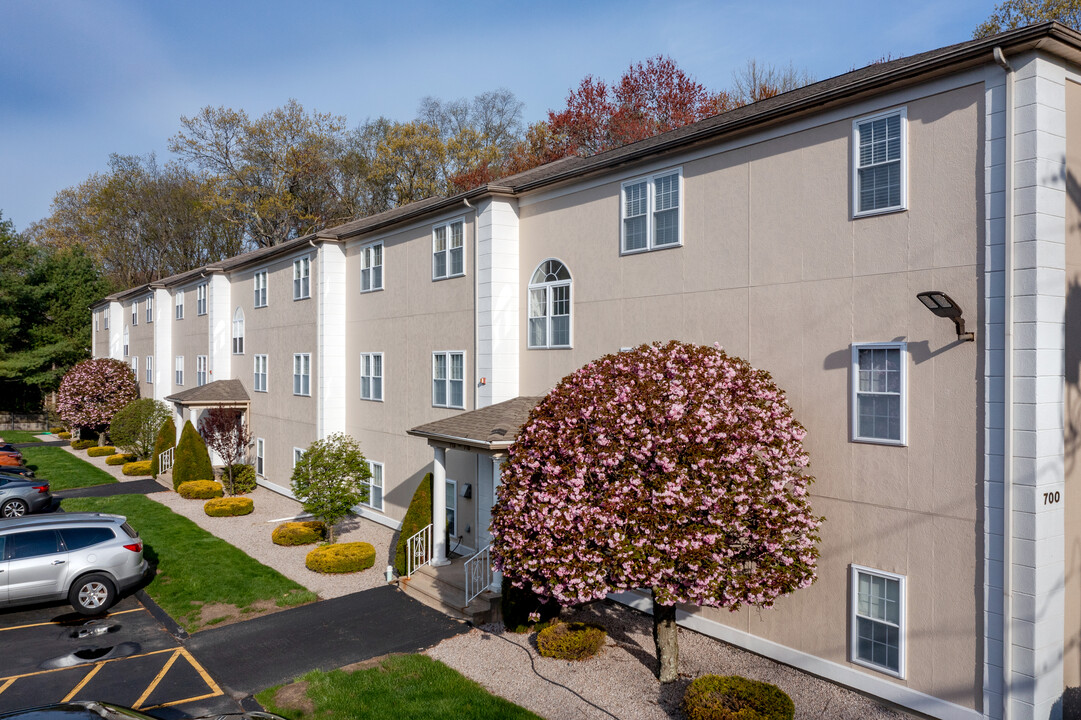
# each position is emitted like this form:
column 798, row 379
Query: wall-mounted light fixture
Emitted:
column 943, row 305
column 467, row 491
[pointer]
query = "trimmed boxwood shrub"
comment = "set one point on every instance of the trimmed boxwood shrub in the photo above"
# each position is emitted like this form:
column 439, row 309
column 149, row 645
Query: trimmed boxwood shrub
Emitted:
column 101, row 450
column 165, row 440
column 191, row 461
column 65, row 435
column 121, row 459
column 55, row 430
column 200, row 490
column 731, row 697
column 341, row 558
column 139, row 467
column 570, row 641
column 518, row 603
column 243, row 479
column 229, row 506
column 417, row 517
column 83, row 444
column 299, row 533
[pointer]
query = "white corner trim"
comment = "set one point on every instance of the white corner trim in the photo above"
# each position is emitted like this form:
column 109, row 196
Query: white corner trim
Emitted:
column 834, row 672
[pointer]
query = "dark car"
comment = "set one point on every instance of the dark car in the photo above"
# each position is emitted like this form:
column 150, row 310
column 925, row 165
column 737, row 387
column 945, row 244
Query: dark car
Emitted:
column 88, row 710
column 20, row 495
column 21, row 470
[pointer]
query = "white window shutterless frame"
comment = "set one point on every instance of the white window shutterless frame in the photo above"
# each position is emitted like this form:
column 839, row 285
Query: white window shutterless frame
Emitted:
column 371, row 267
column 375, row 486
column 260, row 384
column 150, row 309
column 550, row 306
column 260, row 456
column 302, row 271
column 880, row 393
column 651, row 212
column 880, row 163
column 150, row 368
column 259, row 284
column 448, row 250
column 877, row 620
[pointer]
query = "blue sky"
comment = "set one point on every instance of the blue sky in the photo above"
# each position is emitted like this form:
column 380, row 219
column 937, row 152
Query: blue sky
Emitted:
column 82, row 79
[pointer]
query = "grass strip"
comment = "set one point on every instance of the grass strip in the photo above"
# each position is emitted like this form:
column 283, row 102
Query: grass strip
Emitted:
column 401, row 686
column 195, row 568
column 19, row 436
column 63, row 470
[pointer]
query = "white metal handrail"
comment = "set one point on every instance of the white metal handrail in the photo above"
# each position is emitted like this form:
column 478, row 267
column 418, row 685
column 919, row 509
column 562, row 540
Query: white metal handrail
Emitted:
column 418, row 551
column 478, row 574
column 165, row 461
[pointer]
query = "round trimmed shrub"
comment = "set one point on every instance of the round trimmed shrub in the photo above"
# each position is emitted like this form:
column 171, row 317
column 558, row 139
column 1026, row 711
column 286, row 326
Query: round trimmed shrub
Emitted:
column 731, row 697
column 299, row 533
column 56, row 430
column 341, row 558
column 519, row 603
column 228, row 506
column 200, row 490
column 139, row 467
column 570, row 641
column 65, row 435
column 121, row 459
column 83, row 444
column 101, row 450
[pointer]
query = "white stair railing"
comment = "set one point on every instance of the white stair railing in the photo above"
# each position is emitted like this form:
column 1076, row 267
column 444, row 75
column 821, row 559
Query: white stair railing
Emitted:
column 165, row 461
column 418, row 551
column 478, row 574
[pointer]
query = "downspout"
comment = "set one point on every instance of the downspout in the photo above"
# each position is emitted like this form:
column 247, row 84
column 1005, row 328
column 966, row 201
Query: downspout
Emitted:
column 476, row 303
column 1007, row 402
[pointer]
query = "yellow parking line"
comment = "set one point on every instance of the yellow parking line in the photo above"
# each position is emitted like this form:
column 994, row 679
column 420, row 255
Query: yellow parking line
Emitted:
column 76, row 667
column 202, row 673
column 6, row 684
column 157, row 679
column 83, row 682
column 61, row 622
column 179, row 702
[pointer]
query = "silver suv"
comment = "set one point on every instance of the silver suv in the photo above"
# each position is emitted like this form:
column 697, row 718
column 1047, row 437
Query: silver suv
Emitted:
column 86, row 557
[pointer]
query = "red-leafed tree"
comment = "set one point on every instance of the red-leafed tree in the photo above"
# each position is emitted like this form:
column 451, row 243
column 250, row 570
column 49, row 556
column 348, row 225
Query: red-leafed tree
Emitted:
column 223, row 430
column 674, row 467
column 93, row 392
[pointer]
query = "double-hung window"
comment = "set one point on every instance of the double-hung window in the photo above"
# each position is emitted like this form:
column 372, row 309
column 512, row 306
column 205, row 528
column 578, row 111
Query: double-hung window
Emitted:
column 375, row 486
column 105, row 313
column 302, row 271
column 879, row 393
column 298, row 455
column 200, row 299
column 550, row 306
column 371, row 267
column 179, row 370
column 651, row 212
column 96, row 314
column 150, row 368
column 135, row 366
column 302, row 373
column 127, row 344
column 179, row 304
column 452, row 507
column 448, row 379
column 150, row 309
column 260, row 456
column 448, row 250
column 238, row 332
column 877, row 626
column 200, row 370
column 880, row 172
column 260, row 283
column 260, row 373
column 134, row 313
column 371, row 376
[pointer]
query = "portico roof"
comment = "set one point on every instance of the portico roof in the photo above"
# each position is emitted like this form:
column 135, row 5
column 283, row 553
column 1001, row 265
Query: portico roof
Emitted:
column 492, row 428
column 219, row 392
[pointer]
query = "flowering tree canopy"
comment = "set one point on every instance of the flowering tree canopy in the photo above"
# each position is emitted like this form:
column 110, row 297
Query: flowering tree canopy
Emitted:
column 675, row 467
column 93, row 392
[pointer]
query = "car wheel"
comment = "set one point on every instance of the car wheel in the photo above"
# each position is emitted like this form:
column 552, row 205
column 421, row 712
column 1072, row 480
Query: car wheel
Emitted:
column 14, row 509
column 92, row 595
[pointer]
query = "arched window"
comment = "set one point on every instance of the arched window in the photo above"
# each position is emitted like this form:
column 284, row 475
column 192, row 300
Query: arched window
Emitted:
column 126, row 341
column 238, row 332
column 550, row 306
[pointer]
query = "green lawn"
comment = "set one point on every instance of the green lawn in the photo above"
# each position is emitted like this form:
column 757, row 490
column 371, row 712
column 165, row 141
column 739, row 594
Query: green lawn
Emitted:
column 402, row 686
column 19, row 436
column 62, row 469
column 194, row 567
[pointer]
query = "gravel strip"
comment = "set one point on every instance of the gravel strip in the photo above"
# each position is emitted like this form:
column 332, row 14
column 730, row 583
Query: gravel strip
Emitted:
column 619, row 682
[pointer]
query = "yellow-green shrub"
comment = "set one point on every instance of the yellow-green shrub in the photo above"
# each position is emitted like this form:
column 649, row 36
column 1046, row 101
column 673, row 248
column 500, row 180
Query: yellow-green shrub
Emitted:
column 121, row 459
column 570, row 641
column 341, row 558
column 200, row 490
column 101, row 450
column 228, row 506
column 55, row 430
column 83, row 444
column 730, row 697
column 65, row 435
column 139, row 467
column 299, row 533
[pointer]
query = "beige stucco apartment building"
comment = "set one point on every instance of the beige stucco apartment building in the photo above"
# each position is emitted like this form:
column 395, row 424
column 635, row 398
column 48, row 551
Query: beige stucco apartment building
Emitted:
column 797, row 233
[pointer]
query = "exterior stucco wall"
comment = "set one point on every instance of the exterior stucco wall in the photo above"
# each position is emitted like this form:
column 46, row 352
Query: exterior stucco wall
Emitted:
column 141, row 338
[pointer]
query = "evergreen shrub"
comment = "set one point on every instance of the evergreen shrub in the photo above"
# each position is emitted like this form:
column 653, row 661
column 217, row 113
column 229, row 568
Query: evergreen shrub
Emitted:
column 417, row 517
column 731, row 697
column 299, row 533
column 229, row 506
column 83, row 444
column 243, row 479
column 191, row 461
column 200, row 490
column 139, row 467
column 121, row 459
column 570, row 641
column 101, row 450
column 165, row 440
column 341, row 558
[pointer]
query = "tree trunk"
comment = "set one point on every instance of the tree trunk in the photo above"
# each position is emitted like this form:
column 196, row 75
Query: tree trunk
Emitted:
column 666, row 640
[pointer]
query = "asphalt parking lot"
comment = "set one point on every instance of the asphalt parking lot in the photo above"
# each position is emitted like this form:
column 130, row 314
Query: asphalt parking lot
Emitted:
column 50, row 654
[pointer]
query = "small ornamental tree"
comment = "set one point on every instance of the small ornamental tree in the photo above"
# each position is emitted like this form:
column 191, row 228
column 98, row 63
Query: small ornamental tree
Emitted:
column 165, row 440
column 675, row 467
column 135, row 427
column 191, row 461
column 330, row 478
column 226, row 434
column 93, row 392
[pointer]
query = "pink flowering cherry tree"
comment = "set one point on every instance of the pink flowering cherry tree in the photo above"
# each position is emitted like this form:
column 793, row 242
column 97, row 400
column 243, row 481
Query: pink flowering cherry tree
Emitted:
column 674, row 467
column 93, row 392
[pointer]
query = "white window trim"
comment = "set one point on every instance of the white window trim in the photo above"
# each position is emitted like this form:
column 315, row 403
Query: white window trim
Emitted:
column 260, row 457
column 200, row 299
column 854, row 371
column 854, row 171
column 178, row 371
column 201, row 361
column 134, row 313
column 236, row 337
column 105, row 314
column 447, row 224
column 454, row 494
column 302, row 375
column 382, row 264
column 96, row 314
column 150, row 369
column 853, row 637
column 651, row 208
column 297, row 263
column 179, row 311
column 265, row 288
column 548, row 308
column 150, row 308
column 135, row 366
column 297, row 452
column 447, row 380
column 382, row 384
column 383, row 487
column 265, row 374
column 126, row 341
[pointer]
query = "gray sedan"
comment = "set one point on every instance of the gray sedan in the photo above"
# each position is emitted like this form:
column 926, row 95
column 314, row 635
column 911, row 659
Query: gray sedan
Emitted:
column 22, row 495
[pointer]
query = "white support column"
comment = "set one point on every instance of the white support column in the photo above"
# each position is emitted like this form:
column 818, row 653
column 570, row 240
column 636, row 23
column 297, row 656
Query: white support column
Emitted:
column 497, row 468
column 116, row 330
column 439, row 508
column 220, row 326
column 498, row 300
column 330, row 330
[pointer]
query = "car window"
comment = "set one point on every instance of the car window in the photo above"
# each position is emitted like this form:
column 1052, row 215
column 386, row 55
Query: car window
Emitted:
column 78, row 538
column 4, row 481
column 130, row 531
column 31, row 544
